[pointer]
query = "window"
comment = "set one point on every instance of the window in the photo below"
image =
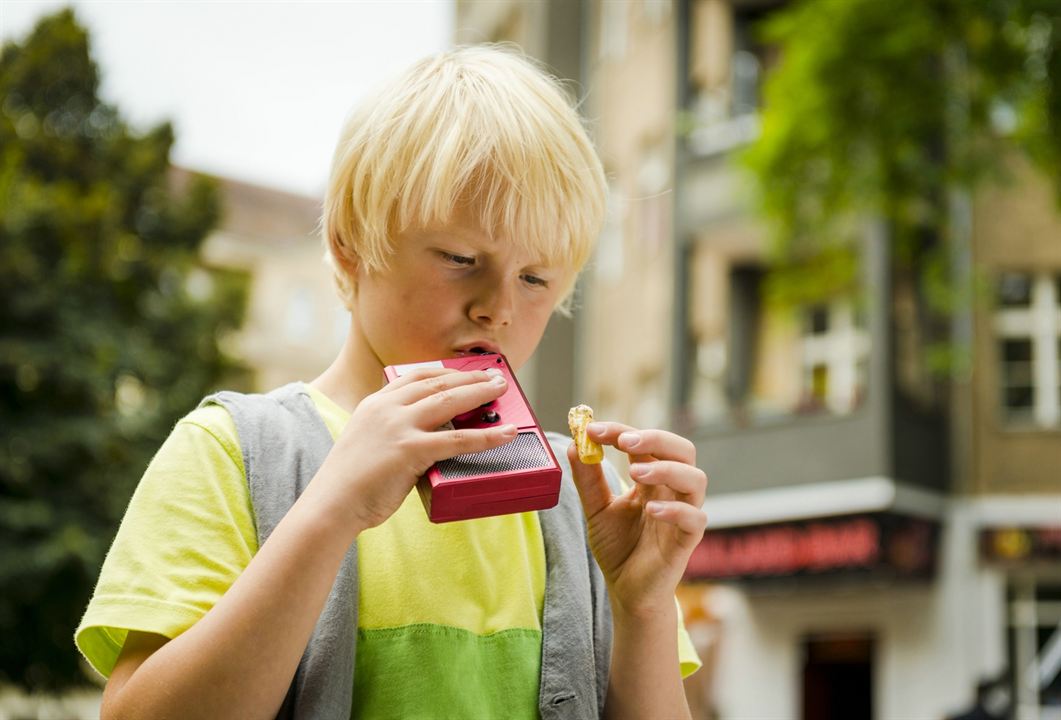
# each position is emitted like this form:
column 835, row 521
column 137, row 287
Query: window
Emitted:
column 724, row 325
column 727, row 65
column 747, row 361
column 1014, row 290
column 834, row 353
column 745, row 321
column 817, row 320
column 750, row 58
column 1018, row 384
column 1028, row 326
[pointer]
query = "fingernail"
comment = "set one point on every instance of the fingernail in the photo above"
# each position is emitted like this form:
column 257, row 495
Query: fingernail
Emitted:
column 595, row 428
column 494, row 371
column 498, row 379
column 654, row 508
column 639, row 470
column 508, row 430
column 629, row 440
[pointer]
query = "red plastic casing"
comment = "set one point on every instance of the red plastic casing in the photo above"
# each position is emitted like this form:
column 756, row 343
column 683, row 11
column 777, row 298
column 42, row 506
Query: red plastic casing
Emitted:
column 509, row 485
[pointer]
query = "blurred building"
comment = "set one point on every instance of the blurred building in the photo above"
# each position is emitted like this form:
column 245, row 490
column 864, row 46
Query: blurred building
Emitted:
column 1010, row 485
column 295, row 323
column 879, row 540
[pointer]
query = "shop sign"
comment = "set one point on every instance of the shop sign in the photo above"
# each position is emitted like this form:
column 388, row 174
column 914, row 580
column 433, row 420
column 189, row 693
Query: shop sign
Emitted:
column 879, row 543
column 1020, row 544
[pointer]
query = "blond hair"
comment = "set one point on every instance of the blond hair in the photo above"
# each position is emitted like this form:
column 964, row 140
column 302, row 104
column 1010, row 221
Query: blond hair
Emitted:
column 481, row 125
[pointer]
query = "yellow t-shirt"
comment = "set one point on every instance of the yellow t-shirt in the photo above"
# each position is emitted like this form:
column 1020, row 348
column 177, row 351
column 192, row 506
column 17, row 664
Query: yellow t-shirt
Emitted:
column 449, row 615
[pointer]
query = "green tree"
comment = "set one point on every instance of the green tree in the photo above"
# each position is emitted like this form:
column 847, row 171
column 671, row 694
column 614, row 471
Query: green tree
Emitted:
column 885, row 109
column 109, row 331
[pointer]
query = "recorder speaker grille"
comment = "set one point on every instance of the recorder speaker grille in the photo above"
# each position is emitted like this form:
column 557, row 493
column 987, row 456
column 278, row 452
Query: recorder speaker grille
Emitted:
column 525, row 452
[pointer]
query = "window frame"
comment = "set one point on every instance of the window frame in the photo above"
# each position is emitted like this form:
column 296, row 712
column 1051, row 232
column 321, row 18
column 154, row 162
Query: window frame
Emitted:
column 1038, row 322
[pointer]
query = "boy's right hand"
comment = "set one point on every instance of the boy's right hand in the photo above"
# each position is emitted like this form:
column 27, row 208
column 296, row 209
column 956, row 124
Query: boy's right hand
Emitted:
column 392, row 438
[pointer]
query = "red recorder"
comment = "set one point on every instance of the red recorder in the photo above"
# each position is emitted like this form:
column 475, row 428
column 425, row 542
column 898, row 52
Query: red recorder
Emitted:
column 519, row 476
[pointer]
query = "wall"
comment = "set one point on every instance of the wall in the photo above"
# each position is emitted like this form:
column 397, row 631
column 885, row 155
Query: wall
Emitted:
column 1016, row 228
column 625, row 330
column 934, row 641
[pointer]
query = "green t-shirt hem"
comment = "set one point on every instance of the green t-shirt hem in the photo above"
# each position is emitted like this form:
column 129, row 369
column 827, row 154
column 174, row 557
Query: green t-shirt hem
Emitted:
column 471, row 675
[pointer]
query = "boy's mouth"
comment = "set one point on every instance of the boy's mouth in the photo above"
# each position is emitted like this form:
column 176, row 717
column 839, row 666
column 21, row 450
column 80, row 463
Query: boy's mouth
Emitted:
column 476, row 350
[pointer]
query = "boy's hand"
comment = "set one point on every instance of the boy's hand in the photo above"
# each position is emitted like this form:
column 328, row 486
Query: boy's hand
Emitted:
column 392, row 438
column 643, row 538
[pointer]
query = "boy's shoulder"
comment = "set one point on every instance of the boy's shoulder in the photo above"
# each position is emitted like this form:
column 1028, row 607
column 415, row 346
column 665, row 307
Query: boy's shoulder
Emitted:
column 247, row 424
column 207, row 432
column 213, row 418
column 213, row 414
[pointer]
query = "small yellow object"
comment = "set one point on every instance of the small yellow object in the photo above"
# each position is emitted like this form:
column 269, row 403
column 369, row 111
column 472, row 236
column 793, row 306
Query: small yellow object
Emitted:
column 589, row 452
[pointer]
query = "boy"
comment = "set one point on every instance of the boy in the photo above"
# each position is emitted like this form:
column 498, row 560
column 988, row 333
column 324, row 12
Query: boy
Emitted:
column 462, row 203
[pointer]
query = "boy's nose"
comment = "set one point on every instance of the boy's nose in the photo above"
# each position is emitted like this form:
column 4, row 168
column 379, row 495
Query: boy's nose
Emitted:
column 493, row 307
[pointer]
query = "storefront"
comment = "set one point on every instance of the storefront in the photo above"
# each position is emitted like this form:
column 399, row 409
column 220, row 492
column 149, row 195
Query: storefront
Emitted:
column 1029, row 557
column 884, row 614
column 874, row 614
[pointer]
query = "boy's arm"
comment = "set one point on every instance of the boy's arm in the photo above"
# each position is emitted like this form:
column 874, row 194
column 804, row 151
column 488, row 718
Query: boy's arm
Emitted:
column 642, row 541
column 645, row 679
column 239, row 659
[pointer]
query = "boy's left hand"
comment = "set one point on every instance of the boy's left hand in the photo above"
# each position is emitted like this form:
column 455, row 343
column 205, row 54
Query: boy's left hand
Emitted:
column 643, row 538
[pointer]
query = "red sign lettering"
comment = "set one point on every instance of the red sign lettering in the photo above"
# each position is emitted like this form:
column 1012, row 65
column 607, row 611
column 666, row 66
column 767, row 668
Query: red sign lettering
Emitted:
column 788, row 549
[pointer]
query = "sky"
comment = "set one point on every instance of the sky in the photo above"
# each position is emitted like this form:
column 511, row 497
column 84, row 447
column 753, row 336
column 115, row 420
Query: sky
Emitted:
column 256, row 91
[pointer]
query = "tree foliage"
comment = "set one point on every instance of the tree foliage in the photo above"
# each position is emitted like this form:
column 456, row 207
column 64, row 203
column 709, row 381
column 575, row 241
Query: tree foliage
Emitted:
column 109, row 330
column 881, row 108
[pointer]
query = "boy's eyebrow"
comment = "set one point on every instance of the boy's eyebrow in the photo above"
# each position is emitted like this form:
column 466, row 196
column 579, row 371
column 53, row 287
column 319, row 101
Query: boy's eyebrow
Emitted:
column 463, row 235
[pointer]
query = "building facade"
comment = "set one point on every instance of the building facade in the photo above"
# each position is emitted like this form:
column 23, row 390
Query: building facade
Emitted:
column 880, row 541
column 861, row 519
column 1010, row 484
column 875, row 548
column 295, row 323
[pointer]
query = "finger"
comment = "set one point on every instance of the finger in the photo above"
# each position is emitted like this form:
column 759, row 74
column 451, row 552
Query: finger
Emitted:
column 686, row 480
column 428, row 385
column 456, row 397
column 659, row 444
column 590, row 482
column 414, row 375
column 446, row 444
column 691, row 520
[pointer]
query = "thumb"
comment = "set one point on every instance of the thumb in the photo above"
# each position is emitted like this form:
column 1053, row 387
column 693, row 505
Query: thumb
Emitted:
column 590, row 482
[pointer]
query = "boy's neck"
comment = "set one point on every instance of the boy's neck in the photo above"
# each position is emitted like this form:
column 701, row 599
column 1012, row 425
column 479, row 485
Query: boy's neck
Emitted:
column 355, row 374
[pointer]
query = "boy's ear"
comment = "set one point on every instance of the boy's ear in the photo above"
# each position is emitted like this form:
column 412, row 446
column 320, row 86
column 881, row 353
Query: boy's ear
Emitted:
column 344, row 257
column 351, row 265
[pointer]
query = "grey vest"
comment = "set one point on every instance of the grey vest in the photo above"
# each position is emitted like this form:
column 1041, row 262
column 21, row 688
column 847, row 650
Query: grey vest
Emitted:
column 284, row 442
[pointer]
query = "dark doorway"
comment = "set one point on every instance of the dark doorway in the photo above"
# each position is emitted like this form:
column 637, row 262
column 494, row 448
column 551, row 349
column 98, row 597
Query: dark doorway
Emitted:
column 838, row 677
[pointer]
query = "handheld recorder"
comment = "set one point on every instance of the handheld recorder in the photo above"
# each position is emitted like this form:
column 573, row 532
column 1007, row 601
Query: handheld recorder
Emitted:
column 519, row 476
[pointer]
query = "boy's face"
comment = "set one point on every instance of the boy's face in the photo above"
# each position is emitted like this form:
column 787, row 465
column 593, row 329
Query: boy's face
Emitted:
column 452, row 289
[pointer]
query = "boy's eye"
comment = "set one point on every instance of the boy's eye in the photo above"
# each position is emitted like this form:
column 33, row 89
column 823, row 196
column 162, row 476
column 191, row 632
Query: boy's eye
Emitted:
column 535, row 280
column 458, row 259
